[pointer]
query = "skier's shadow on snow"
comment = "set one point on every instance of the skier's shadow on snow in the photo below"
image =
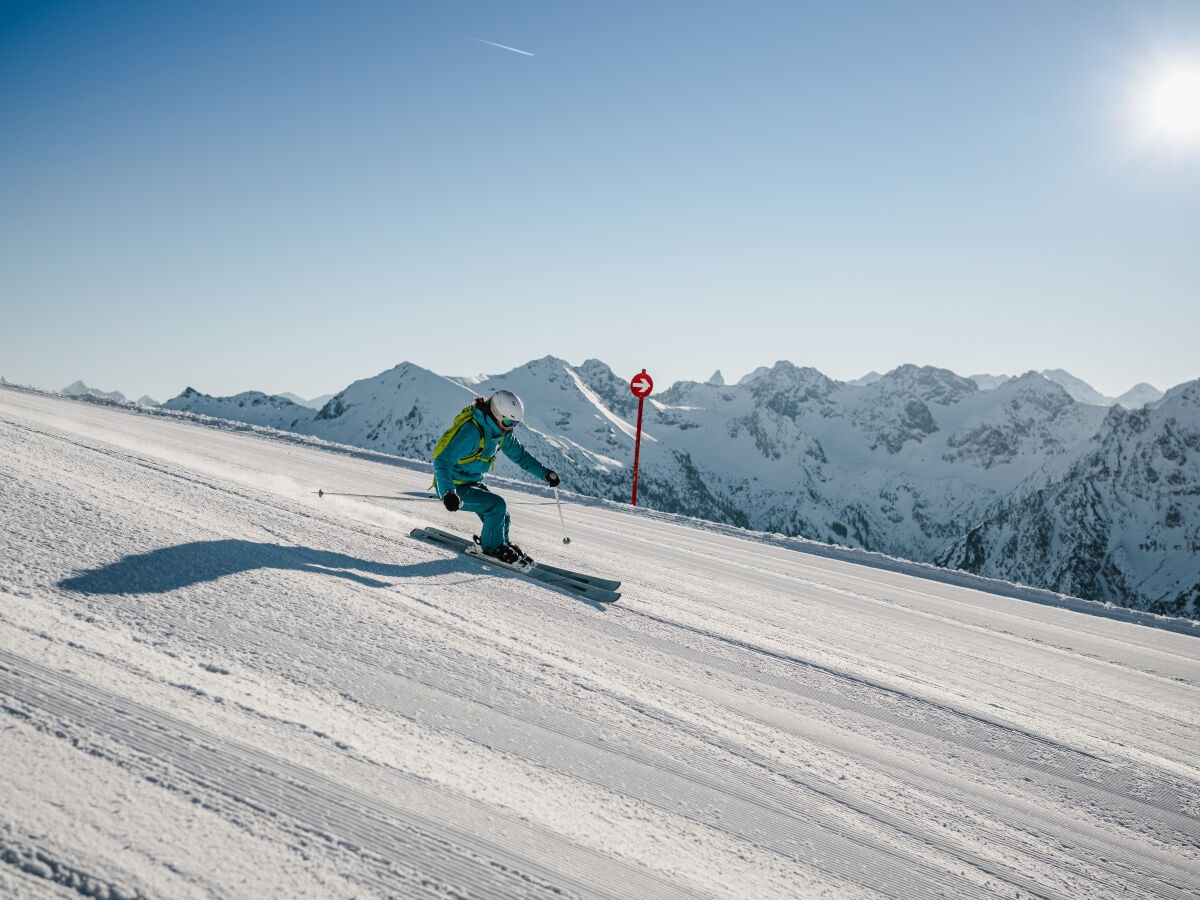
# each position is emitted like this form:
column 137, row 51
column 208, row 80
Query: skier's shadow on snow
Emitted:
column 169, row 568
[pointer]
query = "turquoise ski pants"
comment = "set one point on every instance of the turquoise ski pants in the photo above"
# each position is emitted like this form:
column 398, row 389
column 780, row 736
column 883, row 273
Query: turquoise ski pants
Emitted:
column 492, row 512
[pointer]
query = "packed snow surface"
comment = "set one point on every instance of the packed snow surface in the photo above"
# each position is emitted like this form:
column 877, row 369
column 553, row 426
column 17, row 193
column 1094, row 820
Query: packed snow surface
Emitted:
column 216, row 683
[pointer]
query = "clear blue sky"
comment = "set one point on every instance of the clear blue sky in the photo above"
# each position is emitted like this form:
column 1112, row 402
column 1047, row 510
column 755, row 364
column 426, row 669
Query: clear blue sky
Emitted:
column 292, row 196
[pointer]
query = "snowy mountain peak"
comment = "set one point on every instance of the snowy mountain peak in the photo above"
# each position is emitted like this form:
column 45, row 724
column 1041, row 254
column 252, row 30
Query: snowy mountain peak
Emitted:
column 546, row 367
column 78, row 389
column 788, row 392
column 926, row 383
column 784, row 377
column 612, row 389
column 1139, row 395
column 870, row 378
column 1036, row 388
column 1185, row 396
column 1077, row 387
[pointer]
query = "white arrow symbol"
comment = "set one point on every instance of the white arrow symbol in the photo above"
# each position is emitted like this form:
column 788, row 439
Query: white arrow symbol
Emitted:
column 642, row 384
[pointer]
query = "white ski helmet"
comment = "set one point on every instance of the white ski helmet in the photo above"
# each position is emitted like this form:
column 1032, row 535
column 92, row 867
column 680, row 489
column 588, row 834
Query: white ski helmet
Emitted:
column 507, row 409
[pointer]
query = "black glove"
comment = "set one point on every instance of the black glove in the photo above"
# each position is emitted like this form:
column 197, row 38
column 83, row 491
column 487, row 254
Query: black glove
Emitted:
column 451, row 501
column 552, row 478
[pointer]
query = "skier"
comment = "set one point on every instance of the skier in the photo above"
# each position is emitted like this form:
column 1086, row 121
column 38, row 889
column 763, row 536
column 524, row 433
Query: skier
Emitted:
column 467, row 450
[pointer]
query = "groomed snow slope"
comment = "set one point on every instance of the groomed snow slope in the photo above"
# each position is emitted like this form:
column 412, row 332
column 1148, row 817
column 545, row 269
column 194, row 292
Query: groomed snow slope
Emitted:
column 215, row 683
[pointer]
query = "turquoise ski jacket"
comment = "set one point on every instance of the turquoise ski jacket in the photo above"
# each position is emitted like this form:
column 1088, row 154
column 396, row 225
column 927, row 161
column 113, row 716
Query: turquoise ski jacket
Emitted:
column 471, row 453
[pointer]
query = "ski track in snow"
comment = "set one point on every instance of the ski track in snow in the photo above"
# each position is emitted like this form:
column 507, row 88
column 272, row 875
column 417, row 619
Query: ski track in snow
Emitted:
column 215, row 683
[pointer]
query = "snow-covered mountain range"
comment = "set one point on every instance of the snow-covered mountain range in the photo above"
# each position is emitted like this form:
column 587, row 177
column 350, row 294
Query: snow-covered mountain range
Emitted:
column 1021, row 481
column 79, row 389
column 1134, row 398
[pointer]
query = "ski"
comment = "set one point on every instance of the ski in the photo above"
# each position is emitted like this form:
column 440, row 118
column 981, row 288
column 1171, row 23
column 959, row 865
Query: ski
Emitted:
column 601, row 590
column 606, row 583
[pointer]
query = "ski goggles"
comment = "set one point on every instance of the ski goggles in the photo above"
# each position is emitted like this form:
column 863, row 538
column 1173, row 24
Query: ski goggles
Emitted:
column 509, row 424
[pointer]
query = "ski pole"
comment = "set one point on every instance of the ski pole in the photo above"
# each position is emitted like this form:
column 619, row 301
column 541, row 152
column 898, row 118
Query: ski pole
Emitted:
column 411, row 495
column 566, row 540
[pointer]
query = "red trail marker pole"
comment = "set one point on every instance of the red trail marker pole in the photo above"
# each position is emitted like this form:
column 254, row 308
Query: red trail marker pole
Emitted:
column 640, row 386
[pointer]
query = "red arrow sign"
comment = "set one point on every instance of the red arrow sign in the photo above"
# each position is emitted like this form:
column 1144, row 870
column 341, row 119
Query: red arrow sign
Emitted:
column 641, row 385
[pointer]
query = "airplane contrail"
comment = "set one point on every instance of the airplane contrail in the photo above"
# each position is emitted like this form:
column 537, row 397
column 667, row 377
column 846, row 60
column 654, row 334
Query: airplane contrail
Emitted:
column 503, row 47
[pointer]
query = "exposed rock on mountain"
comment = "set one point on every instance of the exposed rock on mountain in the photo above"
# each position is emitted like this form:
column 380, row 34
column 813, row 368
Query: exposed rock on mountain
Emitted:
column 1121, row 525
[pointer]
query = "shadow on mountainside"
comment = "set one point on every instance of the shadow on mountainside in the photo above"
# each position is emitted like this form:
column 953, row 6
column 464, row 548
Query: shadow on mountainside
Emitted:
column 169, row 568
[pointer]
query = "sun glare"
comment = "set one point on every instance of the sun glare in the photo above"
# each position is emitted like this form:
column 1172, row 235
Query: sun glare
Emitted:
column 1168, row 105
